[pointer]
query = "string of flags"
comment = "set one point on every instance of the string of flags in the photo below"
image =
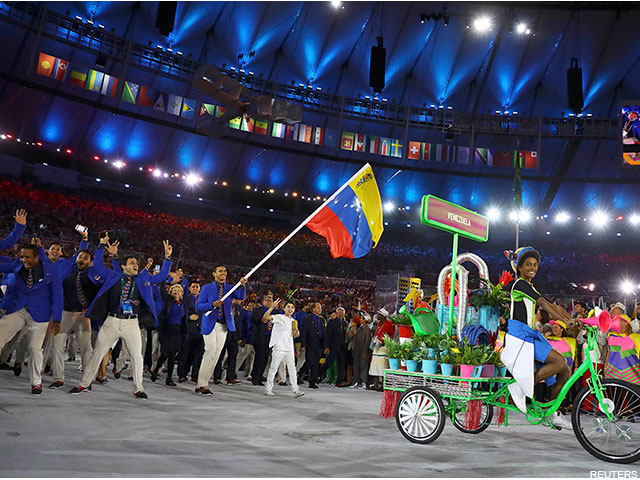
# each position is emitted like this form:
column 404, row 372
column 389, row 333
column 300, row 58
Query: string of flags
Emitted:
column 137, row 94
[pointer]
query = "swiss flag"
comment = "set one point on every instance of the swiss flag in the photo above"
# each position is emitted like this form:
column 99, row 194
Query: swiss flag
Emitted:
column 414, row 150
column 359, row 143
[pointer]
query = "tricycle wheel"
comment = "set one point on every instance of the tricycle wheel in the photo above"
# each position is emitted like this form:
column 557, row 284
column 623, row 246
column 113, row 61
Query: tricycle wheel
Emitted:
column 485, row 420
column 617, row 440
column 420, row 415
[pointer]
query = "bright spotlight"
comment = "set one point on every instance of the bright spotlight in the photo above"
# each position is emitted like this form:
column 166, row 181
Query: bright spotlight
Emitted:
column 118, row 164
column 336, row 4
column 521, row 28
column 634, row 219
column 591, row 287
column 493, row 214
column 482, row 24
column 192, row 179
column 389, row 207
column 562, row 217
column 525, row 216
column 627, row 287
column 600, row 218
column 157, row 172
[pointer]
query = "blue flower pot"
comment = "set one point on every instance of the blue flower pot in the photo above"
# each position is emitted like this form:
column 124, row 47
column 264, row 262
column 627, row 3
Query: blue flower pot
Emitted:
column 501, row 371
column 477, row 371
column 412, row 365
column 446, row 368
column 429, row 366
column 394, row 363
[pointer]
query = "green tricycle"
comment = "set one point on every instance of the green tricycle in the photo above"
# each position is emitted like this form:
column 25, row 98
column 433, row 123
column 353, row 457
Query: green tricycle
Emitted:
column 604, row 416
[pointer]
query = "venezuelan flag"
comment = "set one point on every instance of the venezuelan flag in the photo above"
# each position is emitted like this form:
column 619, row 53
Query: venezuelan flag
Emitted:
column 351, row 220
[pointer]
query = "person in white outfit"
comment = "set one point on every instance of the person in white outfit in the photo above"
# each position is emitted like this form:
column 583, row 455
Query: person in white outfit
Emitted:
column 282, row 335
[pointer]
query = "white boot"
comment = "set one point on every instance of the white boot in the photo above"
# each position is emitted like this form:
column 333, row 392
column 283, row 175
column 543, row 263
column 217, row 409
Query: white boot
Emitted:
column 518, row 396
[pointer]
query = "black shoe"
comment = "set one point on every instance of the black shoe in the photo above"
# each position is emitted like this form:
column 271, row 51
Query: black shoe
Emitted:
column 313, row 386
column 36, row 389
column 217, row 382
column 140, row 394
column 17, row 369
column 233, row 382
column 194, row 380
column 79, row 389
column 116, row 374
column 71, row 359
column 182, row 379
column 47, row 369
column 204, row 391
column 102, row 380
column 170, row 383
column 282, row 384
column 5, row 366
column 154, row 375
column 56, row 384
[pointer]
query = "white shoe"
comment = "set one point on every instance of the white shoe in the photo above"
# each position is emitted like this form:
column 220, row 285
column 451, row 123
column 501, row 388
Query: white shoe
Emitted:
column 558, row 420
column 518, row 397
column 269, row 393
column 297, row 394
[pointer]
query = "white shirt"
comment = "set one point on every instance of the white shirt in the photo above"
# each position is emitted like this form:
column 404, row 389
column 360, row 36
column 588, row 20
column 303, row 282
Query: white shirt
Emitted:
column 281, row 333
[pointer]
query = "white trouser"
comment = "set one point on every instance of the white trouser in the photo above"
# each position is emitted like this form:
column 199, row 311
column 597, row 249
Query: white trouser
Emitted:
column 112, row 330
column 77, row 322
column 213, row 344
column 277, row 356
column 245, row 354
column 302, row 356
column 12, row 324
column 282, row 370
column 12, row 345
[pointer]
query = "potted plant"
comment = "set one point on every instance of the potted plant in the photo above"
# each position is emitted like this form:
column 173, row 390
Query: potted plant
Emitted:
column 492, row 301
column 471, row 358
column 489, row 359
column 429, row 360
column 432, row 343
column 448, row 360
column 393, row 349
column 408, row 354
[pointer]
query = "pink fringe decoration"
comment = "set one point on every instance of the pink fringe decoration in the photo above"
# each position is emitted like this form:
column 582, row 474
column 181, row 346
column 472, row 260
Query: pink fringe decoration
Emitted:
column 389, row 402
column 472, row 414
column 501, row 412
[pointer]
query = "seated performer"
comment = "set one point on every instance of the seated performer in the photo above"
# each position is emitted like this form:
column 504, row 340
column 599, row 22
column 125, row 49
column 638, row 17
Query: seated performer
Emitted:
column 524, row 298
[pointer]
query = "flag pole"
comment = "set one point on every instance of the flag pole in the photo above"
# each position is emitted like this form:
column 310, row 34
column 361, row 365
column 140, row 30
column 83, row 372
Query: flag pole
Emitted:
column 297, row 229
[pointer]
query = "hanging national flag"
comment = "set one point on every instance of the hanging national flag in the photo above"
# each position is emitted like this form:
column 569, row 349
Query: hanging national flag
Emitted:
column 261, row 127
column 352, row 221
column 530, row 159
column 247, row 124
column 188, row 109
column 304, row 133
column 174, row 106
column 373, row 144
column 145, row 96
column 109, row 86
column 461, row 155
column 220, row 111
column 318, row 135
column 278, row 130
column 347, row 141
column 130, row 92
column 60, row 68
column 359, row 143
column 416, row 151
column 79, row 76
column 502, row 158
column 290, row 132
column 235, row 123
column 45, row 64
column 94, row 80
column 442, row 153
column 396, row 148
column 207, row 109
column 160, row 102
column 518, row 159
column 385, row 146
column 483, row 156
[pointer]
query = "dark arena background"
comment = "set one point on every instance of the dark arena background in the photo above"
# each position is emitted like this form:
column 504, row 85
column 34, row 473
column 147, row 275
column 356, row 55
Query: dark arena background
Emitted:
column 221, row 127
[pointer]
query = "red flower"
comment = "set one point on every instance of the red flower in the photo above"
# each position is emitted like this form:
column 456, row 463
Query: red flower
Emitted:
column 505, row 278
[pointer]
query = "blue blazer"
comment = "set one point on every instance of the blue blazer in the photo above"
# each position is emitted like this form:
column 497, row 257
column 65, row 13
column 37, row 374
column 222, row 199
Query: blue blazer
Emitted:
column 44, row 301
column 13, row 237
column 144, row 284
column 208, row 295
column 64, row 265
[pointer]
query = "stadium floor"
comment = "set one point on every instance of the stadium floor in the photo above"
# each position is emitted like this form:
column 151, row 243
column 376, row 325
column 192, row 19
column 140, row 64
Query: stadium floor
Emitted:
column 239, row 432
